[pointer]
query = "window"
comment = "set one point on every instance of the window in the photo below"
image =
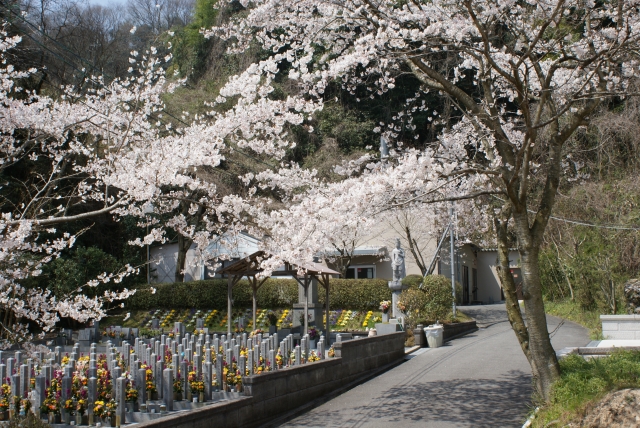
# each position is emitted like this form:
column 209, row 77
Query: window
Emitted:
column 361, row 272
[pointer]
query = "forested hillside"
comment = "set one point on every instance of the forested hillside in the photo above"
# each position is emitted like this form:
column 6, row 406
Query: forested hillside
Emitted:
column 590, row 246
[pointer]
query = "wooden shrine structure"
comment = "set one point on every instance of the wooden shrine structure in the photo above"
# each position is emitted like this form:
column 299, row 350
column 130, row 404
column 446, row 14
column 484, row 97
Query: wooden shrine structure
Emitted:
column 250, row 267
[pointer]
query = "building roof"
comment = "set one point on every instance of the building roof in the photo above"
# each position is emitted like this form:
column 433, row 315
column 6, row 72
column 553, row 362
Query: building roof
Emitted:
column 364, row 250
column 250, row 265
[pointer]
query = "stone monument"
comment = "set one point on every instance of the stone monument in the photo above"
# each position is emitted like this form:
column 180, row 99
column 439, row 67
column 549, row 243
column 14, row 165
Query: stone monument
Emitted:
column 399, row 272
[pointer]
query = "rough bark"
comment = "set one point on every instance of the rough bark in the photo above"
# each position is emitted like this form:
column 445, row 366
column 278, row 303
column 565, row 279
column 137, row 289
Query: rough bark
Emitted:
column 184, row 244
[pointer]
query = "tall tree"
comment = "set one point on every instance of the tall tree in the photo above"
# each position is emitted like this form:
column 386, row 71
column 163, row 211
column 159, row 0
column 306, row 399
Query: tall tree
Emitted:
column 522, row 77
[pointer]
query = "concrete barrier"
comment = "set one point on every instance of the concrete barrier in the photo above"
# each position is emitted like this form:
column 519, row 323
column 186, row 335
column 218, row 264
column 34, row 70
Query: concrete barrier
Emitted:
column 272, row 394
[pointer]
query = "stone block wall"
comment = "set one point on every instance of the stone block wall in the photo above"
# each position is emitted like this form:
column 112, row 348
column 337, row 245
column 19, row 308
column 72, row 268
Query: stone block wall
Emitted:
column 620, row 327
column 273, row 394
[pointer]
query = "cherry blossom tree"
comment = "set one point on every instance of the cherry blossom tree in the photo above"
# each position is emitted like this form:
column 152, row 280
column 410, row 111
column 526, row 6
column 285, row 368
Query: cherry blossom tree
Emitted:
column 110, row 150
column 524, row 77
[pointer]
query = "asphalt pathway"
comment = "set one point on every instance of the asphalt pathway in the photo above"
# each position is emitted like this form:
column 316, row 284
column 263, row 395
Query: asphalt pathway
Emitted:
column 480, row 380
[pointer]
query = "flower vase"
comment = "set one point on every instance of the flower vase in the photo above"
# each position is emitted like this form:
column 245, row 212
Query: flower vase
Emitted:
column 113, row 421
column 4, row 415
column 238, row 387
column 52, row 418
column 78, row 419
column 313, row 343
column 177, row 396
column 189, row 396
column 385, row 317
column 154, row 395
column 201, row 397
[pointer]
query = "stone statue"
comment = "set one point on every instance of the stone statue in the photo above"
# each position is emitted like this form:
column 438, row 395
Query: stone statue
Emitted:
column 397, row 262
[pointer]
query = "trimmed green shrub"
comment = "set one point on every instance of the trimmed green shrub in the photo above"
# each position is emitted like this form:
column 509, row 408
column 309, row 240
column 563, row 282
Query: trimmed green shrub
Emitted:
column 441, row 281
column 358, row 294
column 431, row 302
column 413, row 302
column 439, row 299
column 412, row 281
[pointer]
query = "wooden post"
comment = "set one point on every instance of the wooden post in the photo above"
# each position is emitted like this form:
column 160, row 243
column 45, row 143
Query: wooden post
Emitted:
column 254, row 285
column 306, row 305
column 229, row 287
column 327, row 323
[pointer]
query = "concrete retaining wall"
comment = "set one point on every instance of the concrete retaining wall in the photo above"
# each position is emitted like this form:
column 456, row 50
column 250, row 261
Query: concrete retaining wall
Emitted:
column 273, row 394
column 453, row 330
column 621, row 327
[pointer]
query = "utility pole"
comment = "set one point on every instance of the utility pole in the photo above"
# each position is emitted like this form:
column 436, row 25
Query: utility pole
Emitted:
column 453, row 270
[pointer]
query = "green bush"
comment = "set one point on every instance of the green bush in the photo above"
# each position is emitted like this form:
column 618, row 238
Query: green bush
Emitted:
column 431, row 302
column 358, row 294
column 443, row 281
column 413, row 302
column 437, row 288
column 412, row 281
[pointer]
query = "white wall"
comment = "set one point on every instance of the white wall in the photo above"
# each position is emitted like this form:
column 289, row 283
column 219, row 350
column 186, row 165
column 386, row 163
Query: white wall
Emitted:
column 163, row 258
column 488, row 281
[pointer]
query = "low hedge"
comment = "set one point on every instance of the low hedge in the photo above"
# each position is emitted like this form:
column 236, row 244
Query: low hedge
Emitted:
column 359, row 294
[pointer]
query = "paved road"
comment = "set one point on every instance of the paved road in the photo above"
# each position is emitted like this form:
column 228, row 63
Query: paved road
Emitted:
column 480, row 380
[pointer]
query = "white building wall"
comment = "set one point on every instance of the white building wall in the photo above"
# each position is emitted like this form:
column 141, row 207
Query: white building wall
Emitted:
column 489, row 288
column 163, row 258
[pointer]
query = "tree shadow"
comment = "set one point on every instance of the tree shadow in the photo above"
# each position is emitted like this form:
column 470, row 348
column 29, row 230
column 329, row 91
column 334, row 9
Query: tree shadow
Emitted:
column 499, row 402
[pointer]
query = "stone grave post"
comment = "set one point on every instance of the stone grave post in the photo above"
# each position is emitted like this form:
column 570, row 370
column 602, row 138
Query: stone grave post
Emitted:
column 3, row 372
column 58, row 353
column 207, row 355
column 229, row 357
column 303, row 348
column 158, row 378
column 18, row 357
column 66, row 392
column 91, row 398
column 25, row 380
column 48, row 373
column 297, row 356
column 184, row 372
column 152, row 363
column 15, row 385
column 167, row 390
column 251, row 360
column 272, row 359
column 219, row 370
column 141, row 377
column 121, row 398
column 10, row 368
column 208, row 372
column 236, row 352
column 256, row 354
column 242, row 365
column 132, row 360
column 263, row 349
column 197, row 362
column 174, row 363
column 40, row 393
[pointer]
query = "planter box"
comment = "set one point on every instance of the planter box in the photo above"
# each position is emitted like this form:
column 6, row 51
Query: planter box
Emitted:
column 620, row 327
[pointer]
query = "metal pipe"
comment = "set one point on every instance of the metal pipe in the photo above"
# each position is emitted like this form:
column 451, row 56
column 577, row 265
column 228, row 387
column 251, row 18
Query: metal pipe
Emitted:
column 432, row 265
column 453, row 262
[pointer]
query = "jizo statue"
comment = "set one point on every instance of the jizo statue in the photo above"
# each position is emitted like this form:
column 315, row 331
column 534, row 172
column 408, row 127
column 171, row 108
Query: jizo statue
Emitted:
column 397, row 262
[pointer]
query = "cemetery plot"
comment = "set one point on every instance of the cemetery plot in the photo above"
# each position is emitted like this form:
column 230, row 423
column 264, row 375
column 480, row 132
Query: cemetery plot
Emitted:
column 146, row 378
column 157, row 322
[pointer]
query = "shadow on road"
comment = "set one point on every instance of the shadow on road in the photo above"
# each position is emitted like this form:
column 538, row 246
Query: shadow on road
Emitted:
column 459, row 402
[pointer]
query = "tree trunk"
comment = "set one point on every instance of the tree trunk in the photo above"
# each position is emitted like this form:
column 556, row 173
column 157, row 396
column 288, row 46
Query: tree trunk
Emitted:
column 544, row 363
column 183, row 246
column 534, row 337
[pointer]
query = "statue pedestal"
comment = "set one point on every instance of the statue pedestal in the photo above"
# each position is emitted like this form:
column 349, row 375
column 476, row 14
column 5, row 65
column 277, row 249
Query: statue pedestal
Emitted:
column 396, row 288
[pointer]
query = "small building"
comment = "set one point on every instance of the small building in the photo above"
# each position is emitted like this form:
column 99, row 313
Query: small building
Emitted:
column 163, row 258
